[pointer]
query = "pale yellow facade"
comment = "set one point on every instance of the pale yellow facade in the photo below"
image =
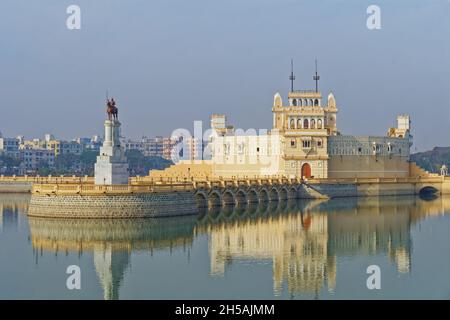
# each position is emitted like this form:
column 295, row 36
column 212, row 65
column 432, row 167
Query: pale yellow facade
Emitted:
column 64, row 147
column 306, row 123
column 186, row 170
column 304, row 143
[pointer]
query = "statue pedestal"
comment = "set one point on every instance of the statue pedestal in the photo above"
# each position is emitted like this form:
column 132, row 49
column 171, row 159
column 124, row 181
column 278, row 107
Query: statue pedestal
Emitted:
column 111, row 166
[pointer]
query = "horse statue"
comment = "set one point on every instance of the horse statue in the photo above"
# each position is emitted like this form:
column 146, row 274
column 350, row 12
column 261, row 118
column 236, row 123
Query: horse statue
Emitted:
column 112, row 110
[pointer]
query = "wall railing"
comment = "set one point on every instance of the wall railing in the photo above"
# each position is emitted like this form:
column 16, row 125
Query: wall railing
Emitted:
column 47, row 179
column 86, row 186
column 92, row 189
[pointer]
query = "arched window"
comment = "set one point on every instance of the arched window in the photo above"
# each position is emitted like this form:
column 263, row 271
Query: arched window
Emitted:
column 305, row 124
column 316, row 102
column 311, row 103
column 319, row 124
column 305, row 103
column 300, row 102
column 292, row 124
column 294, row 102
column 313, row 124
column 299, row 123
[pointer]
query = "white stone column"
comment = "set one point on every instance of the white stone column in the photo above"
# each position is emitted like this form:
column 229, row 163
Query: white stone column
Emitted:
column 108, row 133
column 116, row 133
column 111, row 166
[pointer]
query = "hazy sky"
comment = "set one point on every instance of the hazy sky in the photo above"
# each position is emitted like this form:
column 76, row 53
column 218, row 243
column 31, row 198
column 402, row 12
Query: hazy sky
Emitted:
column 170, row 62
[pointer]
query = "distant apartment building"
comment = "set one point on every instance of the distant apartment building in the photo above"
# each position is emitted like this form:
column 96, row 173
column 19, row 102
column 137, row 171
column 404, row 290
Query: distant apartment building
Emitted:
column 96, row 143
column 49, row 137
column 9, row 147
column 160, row 147
column 33, row 158
column 32, row 144
column 155, row 147
column 84, row 141
column 191, row 148
column 96, row 139
column 92, row 144
column 152, row 147
column 64, row 147
column 168, row 148
column 21, row 139
column 133, row 145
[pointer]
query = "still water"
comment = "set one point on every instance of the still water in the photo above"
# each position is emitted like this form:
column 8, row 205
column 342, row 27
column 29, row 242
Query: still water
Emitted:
column 315, row 249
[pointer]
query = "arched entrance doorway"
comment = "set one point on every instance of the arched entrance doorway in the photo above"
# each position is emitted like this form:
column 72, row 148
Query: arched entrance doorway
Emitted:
column 306, row 171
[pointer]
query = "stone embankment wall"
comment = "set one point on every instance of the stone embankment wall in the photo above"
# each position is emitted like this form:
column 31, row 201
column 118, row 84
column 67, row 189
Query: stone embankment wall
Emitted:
column 157, row 204
column 317, row 191
column 144, row 201
column 377, row 189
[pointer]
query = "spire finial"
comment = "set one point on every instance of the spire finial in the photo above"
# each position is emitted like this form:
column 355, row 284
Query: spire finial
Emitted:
column 292, row 77
column 316, row 78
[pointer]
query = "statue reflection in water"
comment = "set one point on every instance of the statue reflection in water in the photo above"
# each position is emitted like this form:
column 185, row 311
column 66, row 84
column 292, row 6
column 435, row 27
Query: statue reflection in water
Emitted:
column 112, row 241
column 301, row 238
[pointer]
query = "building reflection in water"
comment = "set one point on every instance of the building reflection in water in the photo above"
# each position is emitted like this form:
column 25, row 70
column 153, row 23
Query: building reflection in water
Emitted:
column 11, row 205
column 293, row 238
column 302, row 239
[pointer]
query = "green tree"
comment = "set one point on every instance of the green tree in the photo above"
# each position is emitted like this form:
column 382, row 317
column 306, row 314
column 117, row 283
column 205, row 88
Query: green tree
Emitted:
column 141, row 165
column 66, row 164
column 9, row 161
column 9, row 164
column 43, row 169
column 87, row 162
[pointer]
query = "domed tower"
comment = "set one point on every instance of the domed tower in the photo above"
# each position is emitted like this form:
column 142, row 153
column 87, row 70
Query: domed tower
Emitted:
column 277, row 111
column 305, row 123
column 330, row 115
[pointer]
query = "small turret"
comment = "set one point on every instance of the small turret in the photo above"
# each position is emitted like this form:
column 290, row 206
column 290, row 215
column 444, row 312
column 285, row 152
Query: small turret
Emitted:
column 277, row 101
column 403, row 129
column 331, row 101
column 403, row 122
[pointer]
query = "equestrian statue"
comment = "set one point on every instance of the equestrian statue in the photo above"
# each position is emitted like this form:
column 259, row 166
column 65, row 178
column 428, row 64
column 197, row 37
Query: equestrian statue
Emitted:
column 111, row 109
